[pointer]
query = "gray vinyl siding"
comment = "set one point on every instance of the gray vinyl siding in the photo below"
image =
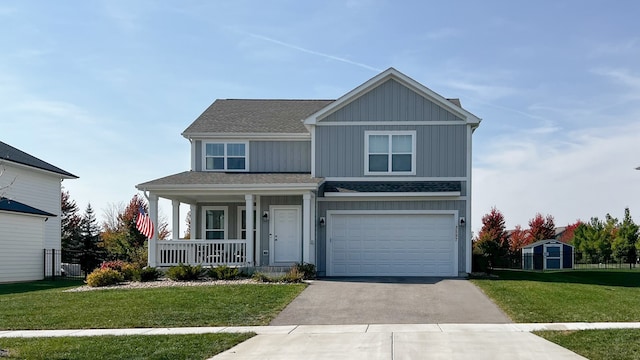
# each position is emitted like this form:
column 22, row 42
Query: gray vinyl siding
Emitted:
column 272, row 156
column 391, row 101
column 198, row 155
column 265, row 202
column 441, row 150
column 280, row 156
column 324, row 206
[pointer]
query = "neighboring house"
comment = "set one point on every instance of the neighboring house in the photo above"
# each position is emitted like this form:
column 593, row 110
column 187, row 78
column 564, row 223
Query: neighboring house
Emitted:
column 377, row 182
column 549, row 254
column 29, row 213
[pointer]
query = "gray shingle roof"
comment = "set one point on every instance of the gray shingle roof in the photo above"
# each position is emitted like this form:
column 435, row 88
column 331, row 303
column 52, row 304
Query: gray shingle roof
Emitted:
column 18, row 207
column 392, row 186
column 255, row 116
column 210, row 178
column 9, row 153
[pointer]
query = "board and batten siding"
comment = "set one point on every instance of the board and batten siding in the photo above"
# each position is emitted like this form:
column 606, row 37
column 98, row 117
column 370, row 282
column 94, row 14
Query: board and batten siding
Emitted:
column 324, row 206
column 271, row 156
column 21, row 247
column 441, row 150
column 38, row 189
column 392, row 101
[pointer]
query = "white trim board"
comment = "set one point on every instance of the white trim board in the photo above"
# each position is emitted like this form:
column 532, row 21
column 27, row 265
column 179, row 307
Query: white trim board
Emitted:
column 389, row 123
column 392, row 198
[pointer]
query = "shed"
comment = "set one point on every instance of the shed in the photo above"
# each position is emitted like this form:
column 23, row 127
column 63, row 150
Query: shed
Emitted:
column 547, row 255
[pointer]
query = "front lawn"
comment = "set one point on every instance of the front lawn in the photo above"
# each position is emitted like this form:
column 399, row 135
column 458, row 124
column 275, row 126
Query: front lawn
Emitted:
column 566, row 296
column 619, row 344
column 42, row 305
column 202, row 346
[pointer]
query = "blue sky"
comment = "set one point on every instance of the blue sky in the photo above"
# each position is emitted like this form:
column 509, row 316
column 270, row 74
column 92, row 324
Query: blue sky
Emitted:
column 103, row 89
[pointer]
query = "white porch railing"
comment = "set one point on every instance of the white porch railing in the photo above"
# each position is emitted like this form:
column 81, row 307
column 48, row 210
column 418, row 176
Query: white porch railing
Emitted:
column 202, row 252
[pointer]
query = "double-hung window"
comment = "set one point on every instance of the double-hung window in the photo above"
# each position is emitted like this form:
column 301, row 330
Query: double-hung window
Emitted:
column 225, row 156
column 390, row 153
column 215, row 222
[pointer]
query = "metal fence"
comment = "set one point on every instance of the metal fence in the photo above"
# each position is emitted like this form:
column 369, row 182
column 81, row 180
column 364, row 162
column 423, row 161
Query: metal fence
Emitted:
column 63, row 264
column 537, row 262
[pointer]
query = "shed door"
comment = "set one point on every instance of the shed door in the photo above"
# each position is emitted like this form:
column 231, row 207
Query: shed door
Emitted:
column 391, row 245
column 553, row 256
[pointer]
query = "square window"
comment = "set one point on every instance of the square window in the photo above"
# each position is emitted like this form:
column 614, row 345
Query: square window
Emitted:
column 390, row 152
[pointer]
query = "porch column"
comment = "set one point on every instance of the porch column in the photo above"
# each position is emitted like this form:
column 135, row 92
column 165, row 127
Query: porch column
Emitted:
column 194, row 221
column 249, row 227
column 175, row 232
column 152, row 244
column 306, row 227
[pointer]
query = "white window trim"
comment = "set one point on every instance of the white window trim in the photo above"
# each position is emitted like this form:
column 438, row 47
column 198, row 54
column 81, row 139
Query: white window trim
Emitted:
column 390, row 171
column 239, row 222
column 225, row 143
column 204, row 220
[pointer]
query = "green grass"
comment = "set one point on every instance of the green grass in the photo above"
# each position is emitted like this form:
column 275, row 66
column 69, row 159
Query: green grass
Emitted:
column 619, row 344
column 566, row 296
column 42, row 305
column 200, row 347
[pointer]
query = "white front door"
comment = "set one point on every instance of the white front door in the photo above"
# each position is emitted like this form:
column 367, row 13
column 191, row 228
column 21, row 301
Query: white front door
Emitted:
column 285, row 234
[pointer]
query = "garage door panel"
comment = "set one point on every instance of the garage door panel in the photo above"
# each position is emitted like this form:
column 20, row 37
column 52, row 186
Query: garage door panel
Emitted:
column 394, row 245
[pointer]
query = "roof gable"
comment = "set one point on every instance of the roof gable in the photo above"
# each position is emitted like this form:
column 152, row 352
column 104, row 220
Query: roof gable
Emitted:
column 9, row 153
column 247, row 116
column 382, row 80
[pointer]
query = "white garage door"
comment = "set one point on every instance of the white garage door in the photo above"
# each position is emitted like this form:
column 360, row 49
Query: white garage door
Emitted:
column 391, row 245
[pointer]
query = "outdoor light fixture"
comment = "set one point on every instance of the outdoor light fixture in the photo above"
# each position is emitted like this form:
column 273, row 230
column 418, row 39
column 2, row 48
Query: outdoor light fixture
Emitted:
column 462, row 221
column 322, row 221
column 265, row 216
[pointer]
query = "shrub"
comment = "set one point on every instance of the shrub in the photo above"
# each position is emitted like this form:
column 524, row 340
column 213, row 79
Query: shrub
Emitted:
column 129, row 271
column 223, row 272
column 262, row 277
column 113, row 265
column 147, row 274
column 293, row 275
column 185, row 272
column 308, row 270
column 104, row 277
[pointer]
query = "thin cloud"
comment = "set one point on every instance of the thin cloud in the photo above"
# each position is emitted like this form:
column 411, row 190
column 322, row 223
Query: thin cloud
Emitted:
column 317, row 53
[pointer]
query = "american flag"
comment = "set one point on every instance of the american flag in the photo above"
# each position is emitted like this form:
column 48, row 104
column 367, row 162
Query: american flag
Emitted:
column 144, row 224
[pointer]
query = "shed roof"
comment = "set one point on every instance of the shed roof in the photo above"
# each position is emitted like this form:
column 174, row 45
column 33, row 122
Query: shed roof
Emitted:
column 545, row 241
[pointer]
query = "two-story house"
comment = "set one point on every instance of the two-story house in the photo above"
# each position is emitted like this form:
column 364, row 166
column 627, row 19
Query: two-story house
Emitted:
column 377, row 182
column 30, row 191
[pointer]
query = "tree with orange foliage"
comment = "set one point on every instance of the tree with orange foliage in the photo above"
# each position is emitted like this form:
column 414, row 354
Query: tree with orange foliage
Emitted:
column 121, row 236
column 570, row 232
column 492, row 240
column 518, row 238
column 542, row 228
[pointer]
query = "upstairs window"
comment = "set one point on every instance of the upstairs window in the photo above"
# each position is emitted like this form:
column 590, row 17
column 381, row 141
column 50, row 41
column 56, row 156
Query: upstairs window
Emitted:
column 225, row 156
column 390, row 153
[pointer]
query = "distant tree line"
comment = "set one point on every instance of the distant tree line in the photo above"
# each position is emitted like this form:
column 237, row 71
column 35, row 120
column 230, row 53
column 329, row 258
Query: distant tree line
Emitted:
column 594, row 241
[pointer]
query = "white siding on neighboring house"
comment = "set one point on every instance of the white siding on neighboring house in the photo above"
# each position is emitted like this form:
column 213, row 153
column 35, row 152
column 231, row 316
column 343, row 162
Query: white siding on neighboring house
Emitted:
column 39, row 189
column 21, row 242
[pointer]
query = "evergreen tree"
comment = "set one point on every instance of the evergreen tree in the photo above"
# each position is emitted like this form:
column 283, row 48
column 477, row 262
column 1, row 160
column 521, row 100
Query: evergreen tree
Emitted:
column 70, row 228
column 92, row 254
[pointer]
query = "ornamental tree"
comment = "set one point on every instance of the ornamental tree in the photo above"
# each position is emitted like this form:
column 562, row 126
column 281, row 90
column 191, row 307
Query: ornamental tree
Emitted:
column 492, row 241
column 626, row 240
column 541, row 228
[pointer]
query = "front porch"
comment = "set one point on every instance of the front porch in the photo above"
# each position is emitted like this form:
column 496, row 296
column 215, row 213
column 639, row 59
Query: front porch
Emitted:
column 283, row 220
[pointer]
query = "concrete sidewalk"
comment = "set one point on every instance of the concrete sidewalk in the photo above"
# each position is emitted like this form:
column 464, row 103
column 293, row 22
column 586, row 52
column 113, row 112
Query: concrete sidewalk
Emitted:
column 329, row 329
column 375, row 341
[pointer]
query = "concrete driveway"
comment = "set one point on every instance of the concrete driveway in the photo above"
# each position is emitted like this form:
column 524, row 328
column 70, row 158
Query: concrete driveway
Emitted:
column 390, row 300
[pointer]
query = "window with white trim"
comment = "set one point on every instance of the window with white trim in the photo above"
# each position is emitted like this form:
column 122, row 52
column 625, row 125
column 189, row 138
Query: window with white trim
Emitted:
column 215, row 222
column 390, row 153
column 225, row 156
